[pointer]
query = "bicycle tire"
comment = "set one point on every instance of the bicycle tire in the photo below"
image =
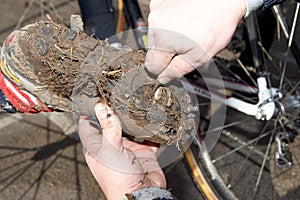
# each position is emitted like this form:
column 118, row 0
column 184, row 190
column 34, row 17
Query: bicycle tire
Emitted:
column 213, row 179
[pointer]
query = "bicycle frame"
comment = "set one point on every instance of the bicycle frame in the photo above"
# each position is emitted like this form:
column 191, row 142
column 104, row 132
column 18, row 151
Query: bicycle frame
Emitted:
column 266, row 106
column 136, row 21
column 233, row 102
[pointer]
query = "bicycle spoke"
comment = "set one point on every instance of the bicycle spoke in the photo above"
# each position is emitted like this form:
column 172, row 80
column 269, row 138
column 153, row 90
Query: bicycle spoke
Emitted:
column 293, row 26
column 283, row 73
column 280, row 19
column 239, row 78
column 247, row 72
column 248, row 153
column 273, row 62
column 294, row 88
column 226, row 126
column 290, row 40
column 243, row 97
column 264, row 160
column 243, row 145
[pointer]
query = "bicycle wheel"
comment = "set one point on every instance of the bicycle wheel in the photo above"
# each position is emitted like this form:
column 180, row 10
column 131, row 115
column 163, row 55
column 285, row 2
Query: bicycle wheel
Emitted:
column 254, row 159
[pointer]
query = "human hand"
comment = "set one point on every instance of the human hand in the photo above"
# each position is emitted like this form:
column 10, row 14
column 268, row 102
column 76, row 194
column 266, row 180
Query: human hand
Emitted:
column 120, row 166
column 183, row 35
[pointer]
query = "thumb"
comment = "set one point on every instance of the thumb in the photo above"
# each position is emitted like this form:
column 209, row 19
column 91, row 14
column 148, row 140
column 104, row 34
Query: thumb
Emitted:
column 110, row 124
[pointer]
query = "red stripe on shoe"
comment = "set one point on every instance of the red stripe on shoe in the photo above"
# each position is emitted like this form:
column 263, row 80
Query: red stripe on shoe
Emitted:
column 9, row 40
column 21, row 99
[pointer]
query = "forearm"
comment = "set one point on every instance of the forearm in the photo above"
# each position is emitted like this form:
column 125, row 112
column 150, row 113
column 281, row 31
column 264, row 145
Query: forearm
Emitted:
column 255, row 4
column 150, row 193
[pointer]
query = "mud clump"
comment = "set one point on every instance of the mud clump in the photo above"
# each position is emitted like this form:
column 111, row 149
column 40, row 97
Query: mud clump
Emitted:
column 73, row 65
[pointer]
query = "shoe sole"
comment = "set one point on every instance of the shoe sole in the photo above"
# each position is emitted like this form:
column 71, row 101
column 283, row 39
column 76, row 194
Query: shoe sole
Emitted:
column 87, row 71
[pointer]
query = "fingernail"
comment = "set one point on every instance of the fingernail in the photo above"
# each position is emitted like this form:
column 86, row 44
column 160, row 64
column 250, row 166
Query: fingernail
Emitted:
column 150, row 74
column 82, row 118
column 101, row 111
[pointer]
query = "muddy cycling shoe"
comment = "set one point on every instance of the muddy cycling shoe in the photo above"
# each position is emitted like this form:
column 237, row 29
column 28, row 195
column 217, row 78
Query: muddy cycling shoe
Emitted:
column 47, row 67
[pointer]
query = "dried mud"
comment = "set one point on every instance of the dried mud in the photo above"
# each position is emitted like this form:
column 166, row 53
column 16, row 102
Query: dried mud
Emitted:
column 71, row 64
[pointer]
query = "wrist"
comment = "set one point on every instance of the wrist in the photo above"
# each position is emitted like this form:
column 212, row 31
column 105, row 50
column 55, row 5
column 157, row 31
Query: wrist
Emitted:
column 149, row 194
column 270, row 3
column 252, row 5
column 255, row 4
